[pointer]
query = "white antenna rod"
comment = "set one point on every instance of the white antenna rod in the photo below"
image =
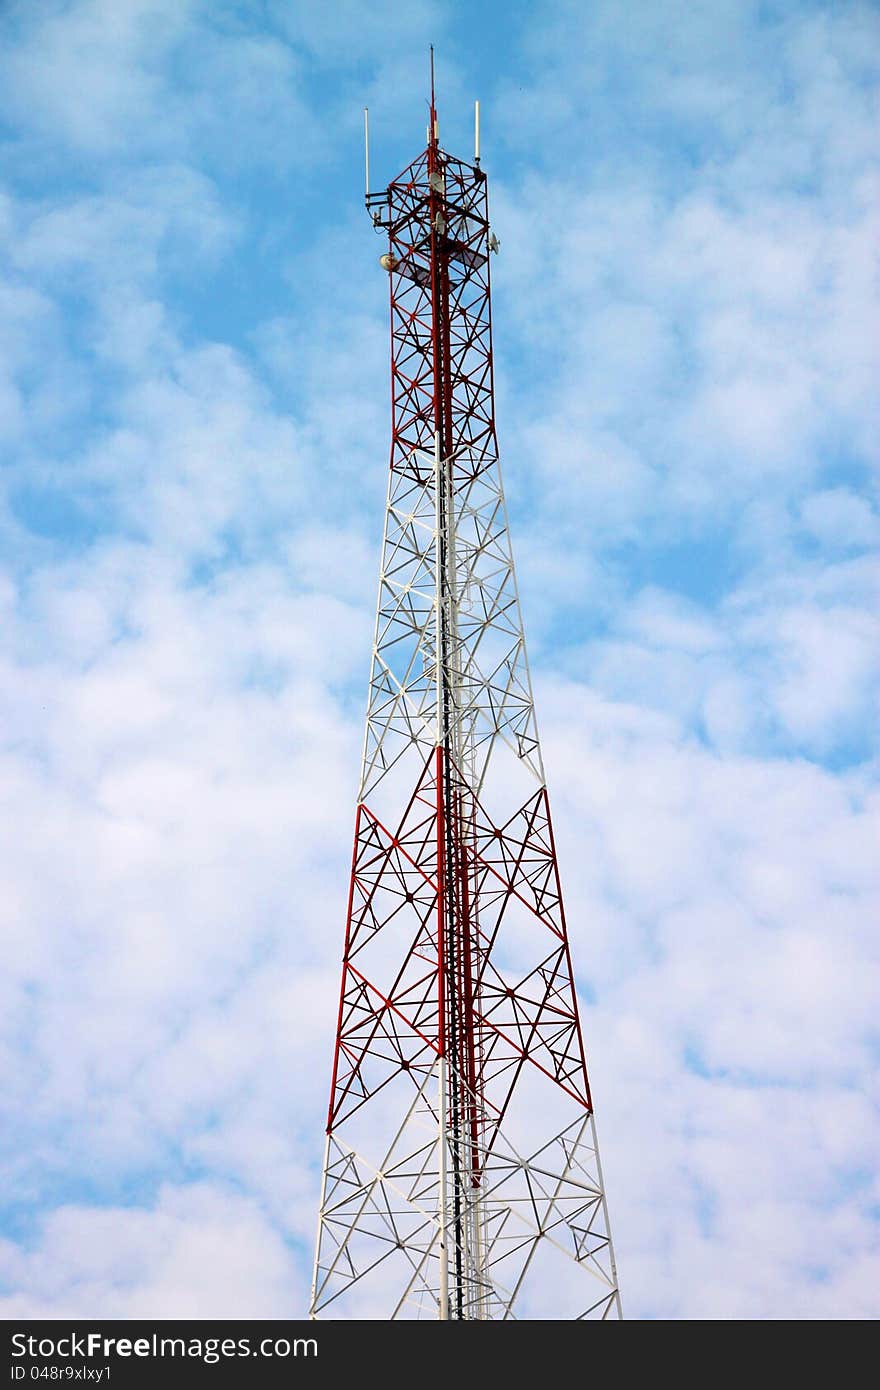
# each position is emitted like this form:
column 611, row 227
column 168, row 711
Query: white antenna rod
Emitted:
column 476, row 132
column 367, row 147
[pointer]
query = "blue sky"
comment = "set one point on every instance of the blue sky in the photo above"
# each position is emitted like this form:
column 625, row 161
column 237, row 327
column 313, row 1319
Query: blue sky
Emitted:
column 194, row 435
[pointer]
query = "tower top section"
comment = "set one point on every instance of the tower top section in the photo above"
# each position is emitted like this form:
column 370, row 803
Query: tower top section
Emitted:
column 433, row 156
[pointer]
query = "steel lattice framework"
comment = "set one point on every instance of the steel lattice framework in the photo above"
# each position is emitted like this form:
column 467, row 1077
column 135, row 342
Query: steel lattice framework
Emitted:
column 462, row 1176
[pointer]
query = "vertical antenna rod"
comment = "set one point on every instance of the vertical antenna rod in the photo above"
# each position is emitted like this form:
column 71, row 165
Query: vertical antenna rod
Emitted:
column 476, row 132
column 367, row 150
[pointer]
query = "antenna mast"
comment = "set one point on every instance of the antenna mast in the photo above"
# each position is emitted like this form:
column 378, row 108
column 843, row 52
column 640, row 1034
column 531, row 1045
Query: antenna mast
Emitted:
column 462, row 1177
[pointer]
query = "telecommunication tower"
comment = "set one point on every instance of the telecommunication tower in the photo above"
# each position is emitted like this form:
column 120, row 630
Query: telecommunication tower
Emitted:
column 461, row 1175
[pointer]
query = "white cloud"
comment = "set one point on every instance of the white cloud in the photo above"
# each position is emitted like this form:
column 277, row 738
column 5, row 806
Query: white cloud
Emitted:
column 700, row 296
column 722, row 910
column 109, row 80
column 790, row 658
column 199, row 1252
column 839, row 519
column 92, row 72
column 169, row 213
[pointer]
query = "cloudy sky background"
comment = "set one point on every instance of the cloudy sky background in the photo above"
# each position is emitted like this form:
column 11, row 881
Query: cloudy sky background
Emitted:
column 194, row 435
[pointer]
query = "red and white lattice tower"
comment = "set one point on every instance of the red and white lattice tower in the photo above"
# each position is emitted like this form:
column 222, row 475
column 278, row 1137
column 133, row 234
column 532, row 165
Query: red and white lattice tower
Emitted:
column 462, row 1176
